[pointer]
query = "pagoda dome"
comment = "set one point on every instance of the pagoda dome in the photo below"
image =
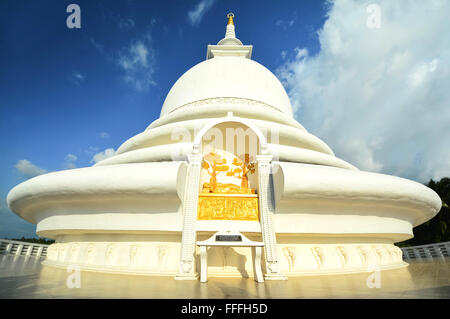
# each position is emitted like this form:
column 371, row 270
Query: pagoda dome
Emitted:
column 228, row 77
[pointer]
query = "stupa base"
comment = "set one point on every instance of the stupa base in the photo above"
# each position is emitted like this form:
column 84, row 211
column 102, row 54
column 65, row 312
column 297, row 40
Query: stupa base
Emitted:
column 159, row 255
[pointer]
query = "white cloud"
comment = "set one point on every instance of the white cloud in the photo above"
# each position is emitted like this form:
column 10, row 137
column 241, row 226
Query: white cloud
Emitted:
column 196, row 15
column 77, row 77
column 379, row 97
column 103, row 135
column 137, row 57
column 109, row 152
column 126, row 24
column 285, row 24
column 69, row 161
column 419, row 74
column 288, row 22
column 137, row 61
column 28, row 169
column 98, row 46
column 300, row 53
column 71, row 158
column 92, row 150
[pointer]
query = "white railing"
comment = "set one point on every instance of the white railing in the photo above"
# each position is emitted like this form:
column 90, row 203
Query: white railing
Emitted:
column 439, row 250
column 12, row 247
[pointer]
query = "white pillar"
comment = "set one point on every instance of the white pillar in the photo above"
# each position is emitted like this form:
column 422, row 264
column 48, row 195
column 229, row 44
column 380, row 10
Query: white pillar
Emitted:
column 39, row 252
column 19, row 249
column 266, row 209
column 417, row 253
column 8, row 248
column 203, row 264
column 30, row 249
column 190, row 202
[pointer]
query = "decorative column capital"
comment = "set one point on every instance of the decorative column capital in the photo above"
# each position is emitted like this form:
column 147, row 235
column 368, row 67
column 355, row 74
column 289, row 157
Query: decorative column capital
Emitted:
column 195, row 149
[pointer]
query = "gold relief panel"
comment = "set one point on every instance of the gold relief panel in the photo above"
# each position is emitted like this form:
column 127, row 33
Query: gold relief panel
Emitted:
column 228, row 207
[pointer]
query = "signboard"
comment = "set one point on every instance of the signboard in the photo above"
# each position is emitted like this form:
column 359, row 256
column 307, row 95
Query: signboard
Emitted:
column 228, row 238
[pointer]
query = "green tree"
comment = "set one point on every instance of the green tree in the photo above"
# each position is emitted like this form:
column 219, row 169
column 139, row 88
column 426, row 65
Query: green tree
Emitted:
column 40, row 240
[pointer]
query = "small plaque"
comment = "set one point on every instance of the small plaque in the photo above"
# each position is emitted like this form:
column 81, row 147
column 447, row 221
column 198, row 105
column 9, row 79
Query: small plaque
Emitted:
column 228, row 238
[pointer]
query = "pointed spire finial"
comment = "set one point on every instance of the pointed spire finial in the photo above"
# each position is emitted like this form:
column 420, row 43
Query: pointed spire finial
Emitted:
column 229, row 45
column 230, row 17
column 230, row 34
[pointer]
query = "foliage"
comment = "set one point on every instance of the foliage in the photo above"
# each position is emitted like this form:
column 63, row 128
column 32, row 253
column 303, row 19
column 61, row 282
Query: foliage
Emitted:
column 437, row 229
column 213, row 163
column 244, row 167
column 39, row 240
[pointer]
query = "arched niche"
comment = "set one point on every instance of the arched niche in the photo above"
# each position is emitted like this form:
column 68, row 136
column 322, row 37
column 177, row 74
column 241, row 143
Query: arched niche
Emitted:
column 229, row 177
column 231, row 147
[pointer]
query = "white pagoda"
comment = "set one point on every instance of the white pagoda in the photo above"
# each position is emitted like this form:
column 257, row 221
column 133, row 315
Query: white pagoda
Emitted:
column 226, row 154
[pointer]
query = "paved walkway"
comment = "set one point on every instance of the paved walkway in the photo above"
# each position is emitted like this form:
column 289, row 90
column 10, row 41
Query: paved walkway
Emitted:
column 22, row 277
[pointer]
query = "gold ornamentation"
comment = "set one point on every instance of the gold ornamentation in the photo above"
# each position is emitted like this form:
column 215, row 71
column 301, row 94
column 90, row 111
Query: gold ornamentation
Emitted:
column 227, row 189
column 230, row 17
column 214, row 164
column 244, row 168
column 228, row 207
column 216, row 202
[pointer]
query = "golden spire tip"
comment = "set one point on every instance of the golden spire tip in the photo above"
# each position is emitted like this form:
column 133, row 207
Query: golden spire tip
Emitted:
column 230, row 17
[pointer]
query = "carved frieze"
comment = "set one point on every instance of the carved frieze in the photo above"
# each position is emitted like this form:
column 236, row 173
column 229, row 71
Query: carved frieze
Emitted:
column 217, row 207
column 225, row 100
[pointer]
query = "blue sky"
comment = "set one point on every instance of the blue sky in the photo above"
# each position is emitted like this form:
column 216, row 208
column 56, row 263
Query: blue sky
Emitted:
column 67, row 95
